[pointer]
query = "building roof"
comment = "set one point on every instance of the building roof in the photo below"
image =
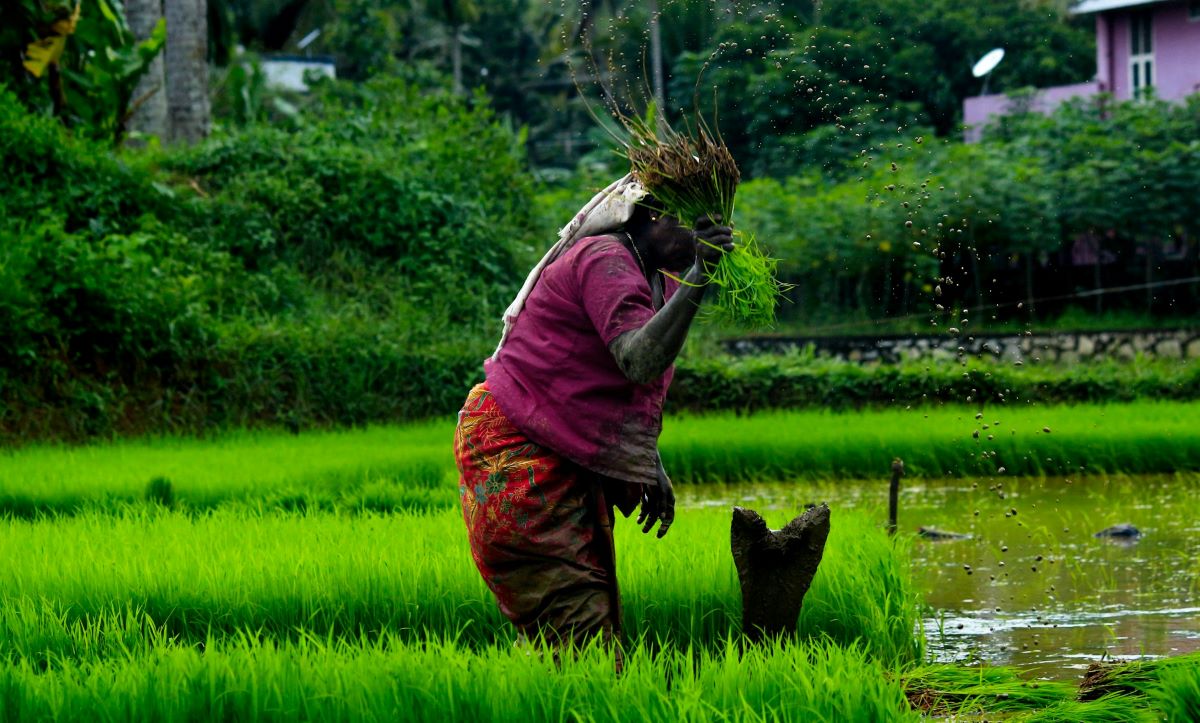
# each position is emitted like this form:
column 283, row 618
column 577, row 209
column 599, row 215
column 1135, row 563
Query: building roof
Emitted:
column 1098, row 6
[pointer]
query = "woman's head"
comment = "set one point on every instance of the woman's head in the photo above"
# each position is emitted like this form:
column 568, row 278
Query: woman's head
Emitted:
column 661, row 240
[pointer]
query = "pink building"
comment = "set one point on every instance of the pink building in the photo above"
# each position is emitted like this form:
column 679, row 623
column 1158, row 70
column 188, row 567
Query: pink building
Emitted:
column 1139, row 44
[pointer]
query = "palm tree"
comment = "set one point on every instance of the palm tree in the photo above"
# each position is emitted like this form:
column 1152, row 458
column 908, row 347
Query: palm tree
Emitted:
column 148, row 108
column 187, row 70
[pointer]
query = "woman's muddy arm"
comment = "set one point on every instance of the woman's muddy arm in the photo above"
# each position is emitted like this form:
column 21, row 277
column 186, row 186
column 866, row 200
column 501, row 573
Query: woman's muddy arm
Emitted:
column 645, row 354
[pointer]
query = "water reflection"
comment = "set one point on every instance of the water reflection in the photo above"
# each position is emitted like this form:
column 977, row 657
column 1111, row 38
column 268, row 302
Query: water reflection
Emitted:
column 1032, row 586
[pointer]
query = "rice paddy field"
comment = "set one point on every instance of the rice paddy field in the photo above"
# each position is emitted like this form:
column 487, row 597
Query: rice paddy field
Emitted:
column 326, row 576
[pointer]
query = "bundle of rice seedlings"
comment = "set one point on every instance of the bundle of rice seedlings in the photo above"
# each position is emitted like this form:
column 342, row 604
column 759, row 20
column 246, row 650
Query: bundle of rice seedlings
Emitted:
column 694, row 175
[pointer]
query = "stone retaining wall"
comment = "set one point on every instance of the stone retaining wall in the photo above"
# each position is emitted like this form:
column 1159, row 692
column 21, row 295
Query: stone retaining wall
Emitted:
column 1064, row 347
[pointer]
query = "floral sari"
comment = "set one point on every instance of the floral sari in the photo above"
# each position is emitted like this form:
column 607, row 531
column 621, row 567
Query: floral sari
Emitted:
column 539, row 526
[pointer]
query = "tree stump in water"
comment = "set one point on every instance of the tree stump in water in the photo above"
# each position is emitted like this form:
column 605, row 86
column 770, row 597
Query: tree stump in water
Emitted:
column 776, row 567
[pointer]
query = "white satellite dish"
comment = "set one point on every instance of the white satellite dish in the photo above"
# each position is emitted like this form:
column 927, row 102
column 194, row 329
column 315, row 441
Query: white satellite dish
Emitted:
column 307, row 39
column 988, row 62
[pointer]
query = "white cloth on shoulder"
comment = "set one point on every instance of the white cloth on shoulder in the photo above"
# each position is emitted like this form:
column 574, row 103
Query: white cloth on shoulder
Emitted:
column 608, row 210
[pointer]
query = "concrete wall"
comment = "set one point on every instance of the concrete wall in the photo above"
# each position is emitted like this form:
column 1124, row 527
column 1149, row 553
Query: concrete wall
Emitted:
column 1065, row 347
column 1176, row 51
column 1119, row 25
column 1176, row 42
column 978, row 110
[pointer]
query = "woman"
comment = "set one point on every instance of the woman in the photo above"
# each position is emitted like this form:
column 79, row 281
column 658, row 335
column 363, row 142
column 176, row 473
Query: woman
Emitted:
column 566, row 426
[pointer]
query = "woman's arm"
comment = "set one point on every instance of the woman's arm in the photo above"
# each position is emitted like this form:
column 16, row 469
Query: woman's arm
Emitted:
column 644, row 354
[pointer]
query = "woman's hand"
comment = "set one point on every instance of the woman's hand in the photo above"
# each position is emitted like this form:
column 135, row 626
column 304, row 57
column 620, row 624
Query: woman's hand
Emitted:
column 658, row 504
column 712, row 239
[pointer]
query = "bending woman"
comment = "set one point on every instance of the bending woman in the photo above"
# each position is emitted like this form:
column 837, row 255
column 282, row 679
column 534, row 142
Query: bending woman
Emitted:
column 565, row 429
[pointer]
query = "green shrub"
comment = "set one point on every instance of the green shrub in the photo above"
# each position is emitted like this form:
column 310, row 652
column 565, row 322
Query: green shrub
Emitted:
column 797, row 381
column 428, row 185
column 925, row 226
column 272, row 276
column 47, row 169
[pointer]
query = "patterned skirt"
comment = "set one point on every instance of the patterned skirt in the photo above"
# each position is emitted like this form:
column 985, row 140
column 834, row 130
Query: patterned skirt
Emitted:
column 539, row 526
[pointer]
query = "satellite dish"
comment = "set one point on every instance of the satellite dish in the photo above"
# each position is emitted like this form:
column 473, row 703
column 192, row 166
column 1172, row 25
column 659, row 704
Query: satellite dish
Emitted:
column 988, row 63
column 307, row 39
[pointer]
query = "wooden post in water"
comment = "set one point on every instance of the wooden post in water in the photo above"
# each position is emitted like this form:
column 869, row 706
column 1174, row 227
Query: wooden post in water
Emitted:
column 894, row 494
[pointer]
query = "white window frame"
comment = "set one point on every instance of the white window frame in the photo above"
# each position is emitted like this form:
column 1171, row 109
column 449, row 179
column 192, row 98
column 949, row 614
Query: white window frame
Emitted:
column 1141, row 53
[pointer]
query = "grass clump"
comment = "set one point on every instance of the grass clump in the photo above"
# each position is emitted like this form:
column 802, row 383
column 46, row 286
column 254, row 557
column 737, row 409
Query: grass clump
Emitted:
column 160, row 491
column 951, row 691
column 941, row 689
column 1172, row 685
column 1177, row 693
column 1108, row 709
column 693, row 175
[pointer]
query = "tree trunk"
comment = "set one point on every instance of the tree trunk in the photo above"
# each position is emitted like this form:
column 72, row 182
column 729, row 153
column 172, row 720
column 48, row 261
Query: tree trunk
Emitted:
column 148, row 105
column 886, row 301
column 776, row 568
column 1149, row 246
column 976, row 277
column 456, row 58
column 186, row 67
column 1029, row 281
column 656, row 60
column 1096, row 275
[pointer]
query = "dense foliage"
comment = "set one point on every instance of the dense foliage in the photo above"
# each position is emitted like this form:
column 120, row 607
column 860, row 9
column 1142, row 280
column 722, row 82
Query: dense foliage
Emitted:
column 77, row 61
column 792, row 93
column 1097, row 194
column 304, row 258
column 341, row 256
column 785, row 74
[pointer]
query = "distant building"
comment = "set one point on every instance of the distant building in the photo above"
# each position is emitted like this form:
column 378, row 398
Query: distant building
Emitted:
column 288, row 71
column 1139, row 44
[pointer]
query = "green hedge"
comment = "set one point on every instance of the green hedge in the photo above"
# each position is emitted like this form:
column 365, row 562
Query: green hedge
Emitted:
column 347, row 267
column 280, row 380
column 794, row 382
column 324, row 377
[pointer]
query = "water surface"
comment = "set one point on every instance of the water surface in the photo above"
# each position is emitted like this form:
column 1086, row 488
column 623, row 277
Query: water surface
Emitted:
column 1033, row 587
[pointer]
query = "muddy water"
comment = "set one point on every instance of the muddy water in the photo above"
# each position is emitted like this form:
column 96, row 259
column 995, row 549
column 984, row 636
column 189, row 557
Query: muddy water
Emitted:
column 1032, row 587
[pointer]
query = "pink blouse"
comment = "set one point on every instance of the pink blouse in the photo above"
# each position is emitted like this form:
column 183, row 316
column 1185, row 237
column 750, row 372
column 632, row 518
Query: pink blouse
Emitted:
column 555, row 378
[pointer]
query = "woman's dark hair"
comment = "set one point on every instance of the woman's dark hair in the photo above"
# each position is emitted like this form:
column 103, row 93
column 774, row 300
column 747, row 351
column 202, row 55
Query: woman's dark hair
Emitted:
column 644, row 212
